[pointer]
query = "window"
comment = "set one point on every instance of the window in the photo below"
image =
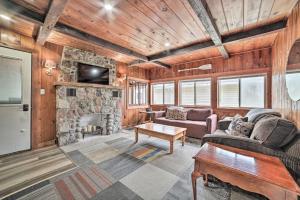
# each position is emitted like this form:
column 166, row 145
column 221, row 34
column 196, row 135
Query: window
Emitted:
column 195, row 92
column 163, row 93
column 137, row 93
column 248, row 92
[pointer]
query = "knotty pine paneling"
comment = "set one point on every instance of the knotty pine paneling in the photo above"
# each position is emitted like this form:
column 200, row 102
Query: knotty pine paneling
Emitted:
column 283, row 43
column 130, row 115
column 247, row 63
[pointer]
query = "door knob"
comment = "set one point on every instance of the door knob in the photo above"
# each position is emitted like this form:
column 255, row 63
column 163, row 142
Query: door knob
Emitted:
column 25, row 107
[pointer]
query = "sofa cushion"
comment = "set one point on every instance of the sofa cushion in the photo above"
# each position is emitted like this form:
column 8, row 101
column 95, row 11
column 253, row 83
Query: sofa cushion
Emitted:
column 195, row 129
column 198, row 114
column 238, row 127
column 274, row 132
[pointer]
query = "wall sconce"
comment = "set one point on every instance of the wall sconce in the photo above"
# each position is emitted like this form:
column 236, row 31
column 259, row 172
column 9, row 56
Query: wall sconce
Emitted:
column 49, row 65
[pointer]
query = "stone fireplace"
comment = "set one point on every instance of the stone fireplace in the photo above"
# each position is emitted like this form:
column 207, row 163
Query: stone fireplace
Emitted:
column 81, row 105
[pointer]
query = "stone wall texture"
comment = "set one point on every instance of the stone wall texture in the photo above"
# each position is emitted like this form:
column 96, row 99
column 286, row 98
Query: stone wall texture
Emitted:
column 90, row 106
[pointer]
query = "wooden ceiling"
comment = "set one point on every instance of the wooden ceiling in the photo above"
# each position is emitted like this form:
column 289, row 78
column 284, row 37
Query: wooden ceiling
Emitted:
column 145, row 26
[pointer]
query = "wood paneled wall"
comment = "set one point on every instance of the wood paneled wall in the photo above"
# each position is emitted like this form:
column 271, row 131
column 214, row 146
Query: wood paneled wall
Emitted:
column 283, row 43
column 247, row 63
column 131, row 115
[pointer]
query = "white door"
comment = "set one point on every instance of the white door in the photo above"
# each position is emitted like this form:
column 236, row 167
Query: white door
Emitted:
column 15, row 100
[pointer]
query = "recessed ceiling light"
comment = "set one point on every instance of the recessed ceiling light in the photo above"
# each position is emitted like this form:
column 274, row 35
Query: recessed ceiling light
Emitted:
column 108, row 7
column 167, row 44
column 5, row 17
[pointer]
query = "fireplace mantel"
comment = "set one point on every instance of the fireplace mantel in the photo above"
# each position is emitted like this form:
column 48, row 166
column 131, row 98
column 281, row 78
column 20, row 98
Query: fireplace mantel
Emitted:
column 76, row 84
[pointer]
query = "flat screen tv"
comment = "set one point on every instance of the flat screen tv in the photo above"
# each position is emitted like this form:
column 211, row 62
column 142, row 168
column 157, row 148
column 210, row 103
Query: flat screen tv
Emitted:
column 92, row 74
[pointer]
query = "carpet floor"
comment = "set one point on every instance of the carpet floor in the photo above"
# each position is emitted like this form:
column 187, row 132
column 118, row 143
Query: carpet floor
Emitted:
column 114, row 168
column 21, row 170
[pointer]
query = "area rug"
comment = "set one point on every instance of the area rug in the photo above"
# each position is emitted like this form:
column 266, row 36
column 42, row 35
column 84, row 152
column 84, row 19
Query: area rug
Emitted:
column 24, row 169
column 142, row 171
column 82, row 183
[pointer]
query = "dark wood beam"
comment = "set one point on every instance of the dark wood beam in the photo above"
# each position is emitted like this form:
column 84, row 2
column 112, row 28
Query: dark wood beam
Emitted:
column 235, row 37
column 255, row 32
column 161, row 64
column 38, row 19
column 136, row 62
column 54, row 12
column 19, row 11
column 223, row 51
column 156, row 62
column 182, row 50
column 201, row 9
column 78, row 34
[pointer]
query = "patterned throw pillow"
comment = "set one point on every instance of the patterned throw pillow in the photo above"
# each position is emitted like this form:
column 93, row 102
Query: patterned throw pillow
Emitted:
column 180, row 114
column 176, row 113
column 238, row 127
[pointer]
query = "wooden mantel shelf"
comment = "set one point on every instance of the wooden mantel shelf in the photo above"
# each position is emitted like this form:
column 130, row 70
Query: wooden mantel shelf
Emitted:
column 74, row 84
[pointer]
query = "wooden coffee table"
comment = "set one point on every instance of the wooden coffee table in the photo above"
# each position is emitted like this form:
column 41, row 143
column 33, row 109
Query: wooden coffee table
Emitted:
column 248, row 170
column 170, row 133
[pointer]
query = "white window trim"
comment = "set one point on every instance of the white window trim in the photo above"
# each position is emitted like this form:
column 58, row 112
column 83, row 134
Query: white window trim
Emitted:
column 162, row 83
column 239, row 77
column 194, row 80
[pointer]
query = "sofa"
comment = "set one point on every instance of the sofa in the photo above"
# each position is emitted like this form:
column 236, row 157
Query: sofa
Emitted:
column 271, row 135
column 199, row 122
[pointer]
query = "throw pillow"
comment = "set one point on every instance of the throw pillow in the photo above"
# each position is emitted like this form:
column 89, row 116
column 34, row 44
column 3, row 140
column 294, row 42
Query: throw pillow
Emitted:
column 238, row 127
column 274, row 132
column 180, row 114
column 176, row 113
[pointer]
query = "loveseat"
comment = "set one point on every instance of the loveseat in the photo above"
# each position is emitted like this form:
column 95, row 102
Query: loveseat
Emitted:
column 278, row 137
column 199, row 122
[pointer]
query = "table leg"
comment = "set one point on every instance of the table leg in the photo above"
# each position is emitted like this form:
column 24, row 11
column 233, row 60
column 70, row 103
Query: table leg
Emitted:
column 195, row 175
column 171, row 146
column 205, row 179
column 183, row 139
column 136, row 135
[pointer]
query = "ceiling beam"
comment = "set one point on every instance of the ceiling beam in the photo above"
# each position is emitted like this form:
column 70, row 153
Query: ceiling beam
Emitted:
column 201, row 9
column 55, row 11
column 235, row 37
column 19, row 11
column 161, row 64
column 78, row 34
column 156, row 62
column 36, row 18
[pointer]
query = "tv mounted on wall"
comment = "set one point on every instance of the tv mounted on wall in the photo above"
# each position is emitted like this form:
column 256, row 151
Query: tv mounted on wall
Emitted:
column 92, row 74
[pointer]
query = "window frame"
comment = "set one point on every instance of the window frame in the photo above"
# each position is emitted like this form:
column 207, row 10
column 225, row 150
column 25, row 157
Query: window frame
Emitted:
column 195, row 92
column 264, row 75
column 138, row 81
column 163, row 83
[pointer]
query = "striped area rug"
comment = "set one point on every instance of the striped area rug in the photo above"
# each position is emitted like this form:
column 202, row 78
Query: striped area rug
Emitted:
column 83, row 183
column 21, row 170
column 147, row 152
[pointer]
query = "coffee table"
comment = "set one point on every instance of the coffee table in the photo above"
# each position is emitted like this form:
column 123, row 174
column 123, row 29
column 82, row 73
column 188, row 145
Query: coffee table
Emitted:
column 169, row 133
column 248, row 170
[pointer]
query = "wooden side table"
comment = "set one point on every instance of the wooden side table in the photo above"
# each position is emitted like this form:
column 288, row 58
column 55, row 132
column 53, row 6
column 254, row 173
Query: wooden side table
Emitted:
column 150, row 113
column 248, row 170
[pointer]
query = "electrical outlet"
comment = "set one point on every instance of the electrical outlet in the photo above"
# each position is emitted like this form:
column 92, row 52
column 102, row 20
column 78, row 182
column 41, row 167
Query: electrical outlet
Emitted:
column 42, row 91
